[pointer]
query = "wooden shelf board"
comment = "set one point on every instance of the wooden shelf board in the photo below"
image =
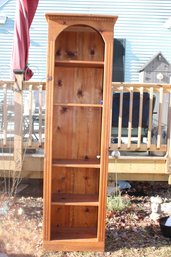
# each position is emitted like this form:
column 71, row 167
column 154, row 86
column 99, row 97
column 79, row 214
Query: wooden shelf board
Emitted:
column 75, row 199
column 89, row 163
column 91, row 244
column 79, row 105
column 79, row 63
column 81, row 234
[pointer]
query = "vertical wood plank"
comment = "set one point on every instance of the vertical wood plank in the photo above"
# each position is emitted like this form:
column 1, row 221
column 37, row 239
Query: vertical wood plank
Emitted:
column 40, row 115
column 111, row 108
column 18, row 120
column 140, row 117
column 30, row 115
column 150, row 118
column 160, row 118
column 130, row 117
column 120, row 117
column 48, row 135
column 169, row 134
column 108, row 36
column 4, row 116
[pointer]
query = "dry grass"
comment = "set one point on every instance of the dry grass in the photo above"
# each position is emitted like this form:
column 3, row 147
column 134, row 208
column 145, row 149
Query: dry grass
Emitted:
column 129, row 232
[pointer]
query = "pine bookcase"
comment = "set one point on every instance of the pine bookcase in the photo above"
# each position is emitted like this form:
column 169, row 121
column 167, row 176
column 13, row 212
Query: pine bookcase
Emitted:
column 78, row 106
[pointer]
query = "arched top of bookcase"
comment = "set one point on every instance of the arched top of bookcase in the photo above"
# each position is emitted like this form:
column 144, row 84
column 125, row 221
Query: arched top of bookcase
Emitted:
column 79, row 42
column 103, row 24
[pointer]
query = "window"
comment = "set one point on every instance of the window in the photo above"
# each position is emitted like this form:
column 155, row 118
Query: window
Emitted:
column 118, row 69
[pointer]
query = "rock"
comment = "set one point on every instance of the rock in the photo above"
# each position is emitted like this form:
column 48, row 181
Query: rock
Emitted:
column 111, row 190
column 156, row 199
column 166, row 208
column 155, row 207
column 122, row 184
column 20, row 212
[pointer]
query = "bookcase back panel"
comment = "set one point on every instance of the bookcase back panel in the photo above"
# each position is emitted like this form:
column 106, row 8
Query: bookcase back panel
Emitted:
column 75, row 180
column 79, row 43
column 76, row 132
column 73, row 216
column 78, row 85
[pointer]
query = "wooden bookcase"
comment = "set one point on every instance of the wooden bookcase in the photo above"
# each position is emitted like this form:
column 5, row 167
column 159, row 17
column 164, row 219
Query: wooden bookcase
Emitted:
column 77, row 130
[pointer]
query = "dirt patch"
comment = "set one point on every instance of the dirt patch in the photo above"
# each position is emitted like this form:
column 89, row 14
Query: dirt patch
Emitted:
column 128, row 233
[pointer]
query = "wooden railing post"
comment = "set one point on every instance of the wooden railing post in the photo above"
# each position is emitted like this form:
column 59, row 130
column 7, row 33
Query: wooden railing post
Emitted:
column 169, row 138
column 18, row 120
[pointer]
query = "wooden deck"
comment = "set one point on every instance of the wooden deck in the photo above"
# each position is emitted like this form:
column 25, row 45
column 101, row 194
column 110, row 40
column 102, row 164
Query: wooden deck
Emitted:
column 135, row 153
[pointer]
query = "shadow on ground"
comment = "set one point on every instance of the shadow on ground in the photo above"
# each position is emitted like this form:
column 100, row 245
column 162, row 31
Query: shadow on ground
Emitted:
column 142, row 237
column 30, row 188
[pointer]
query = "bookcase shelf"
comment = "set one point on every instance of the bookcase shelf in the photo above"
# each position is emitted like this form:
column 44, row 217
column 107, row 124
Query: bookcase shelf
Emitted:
column 79, row 105
column 76, row 131
column 75, row 199
column 77, row 163
column 79, row 63
column 80, row 234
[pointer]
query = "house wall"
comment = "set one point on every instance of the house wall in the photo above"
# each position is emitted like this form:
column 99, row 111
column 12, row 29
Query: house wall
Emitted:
column 6, row 37
column 141, row 23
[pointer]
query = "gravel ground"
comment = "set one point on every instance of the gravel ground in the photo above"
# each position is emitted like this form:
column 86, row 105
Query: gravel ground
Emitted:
column 129, row 232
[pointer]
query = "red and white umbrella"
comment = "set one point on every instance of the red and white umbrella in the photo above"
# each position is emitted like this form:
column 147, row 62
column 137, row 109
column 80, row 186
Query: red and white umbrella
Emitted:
column 25, row 13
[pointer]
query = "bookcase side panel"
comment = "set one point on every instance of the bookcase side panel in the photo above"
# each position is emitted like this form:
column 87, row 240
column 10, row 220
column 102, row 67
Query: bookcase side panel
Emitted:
column 48, row 140
column 108, row 38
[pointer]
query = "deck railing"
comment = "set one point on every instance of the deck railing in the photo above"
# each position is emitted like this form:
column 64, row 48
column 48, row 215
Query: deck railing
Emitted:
column 32, row 105
column 140, row 120
column 141, row 117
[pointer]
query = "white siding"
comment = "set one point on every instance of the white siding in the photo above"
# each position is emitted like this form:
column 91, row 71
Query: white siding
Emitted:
column 140, row 22
column 6, row 37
